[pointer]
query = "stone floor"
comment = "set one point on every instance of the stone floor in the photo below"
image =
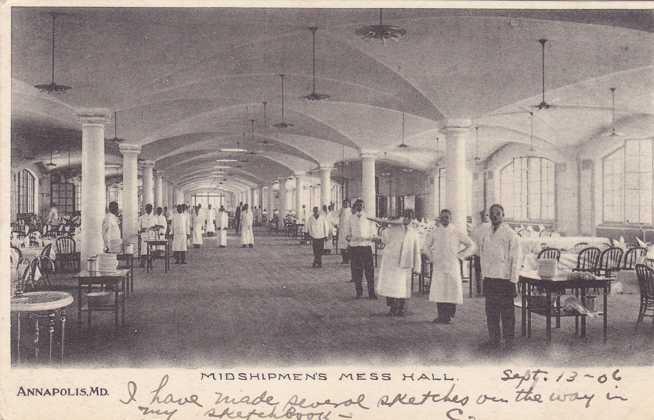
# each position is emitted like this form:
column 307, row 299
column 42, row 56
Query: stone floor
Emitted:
column 267, row 306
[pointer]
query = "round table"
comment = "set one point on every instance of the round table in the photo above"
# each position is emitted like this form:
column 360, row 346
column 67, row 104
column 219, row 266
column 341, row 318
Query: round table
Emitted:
column 41, row 305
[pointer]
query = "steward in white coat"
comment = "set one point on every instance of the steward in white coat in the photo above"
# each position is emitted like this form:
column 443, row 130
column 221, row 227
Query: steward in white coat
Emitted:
column 197, row 219
column 247, row 234
column 400, row 259
column 180, row 232
column 211, row 219
column 446, row 245
column 146, row 225
column 111, row 235
column 223, row 223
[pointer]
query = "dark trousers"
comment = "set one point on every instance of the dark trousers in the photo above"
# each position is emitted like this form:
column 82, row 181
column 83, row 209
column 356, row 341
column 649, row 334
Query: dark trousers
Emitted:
column 318, row 246
column 345, row 253
column 180, row 256
column 237, row 225
column 477, row 272
column 361, row 261
column 446, row 310
column 499, row 307
column 396, row 305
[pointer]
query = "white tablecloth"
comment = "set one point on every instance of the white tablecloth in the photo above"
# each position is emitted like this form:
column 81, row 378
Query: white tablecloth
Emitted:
column 534, row 245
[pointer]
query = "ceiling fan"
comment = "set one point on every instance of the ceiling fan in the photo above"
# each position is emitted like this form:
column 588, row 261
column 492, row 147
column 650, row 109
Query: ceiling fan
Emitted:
column 381, row 31
column 402, row 145
column 115, row 138
column 51, row 164
column 612, row 132
column 543, row 104
column 52, row 87
column 314, row 96
column 283, row 123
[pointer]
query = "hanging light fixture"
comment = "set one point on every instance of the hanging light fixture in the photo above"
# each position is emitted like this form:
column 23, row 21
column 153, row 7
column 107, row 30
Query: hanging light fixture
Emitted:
column 52, row 87
column 314, row 96
column 381, row 31
column 402, row 145
column 283, row 123
column 612, row 132
column 115, row 138
column 51, row 164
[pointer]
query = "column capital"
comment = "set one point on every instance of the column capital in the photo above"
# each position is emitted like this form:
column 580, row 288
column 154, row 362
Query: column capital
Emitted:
column 160, row 172
column 129, row 149
column 457, row 124
column 368, row 154
column 93, row 116
column 299, row 173
column 148, row 163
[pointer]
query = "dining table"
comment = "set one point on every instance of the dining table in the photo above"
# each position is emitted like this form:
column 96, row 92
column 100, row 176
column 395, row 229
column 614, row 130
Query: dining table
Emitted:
column 43, row 305
column 113, row 281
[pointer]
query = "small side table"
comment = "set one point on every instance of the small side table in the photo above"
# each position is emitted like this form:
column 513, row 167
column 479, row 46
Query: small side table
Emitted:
column 151, row 244
column 49, row 305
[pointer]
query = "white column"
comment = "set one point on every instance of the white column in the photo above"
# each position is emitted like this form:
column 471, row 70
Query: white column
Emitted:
column 457, row 132
column 368, row 193
column 93, row 185
column 130, row 209
column 326, row 185
column 282, row 198
column 148, row 183
column 158, row 189
column 299, row 183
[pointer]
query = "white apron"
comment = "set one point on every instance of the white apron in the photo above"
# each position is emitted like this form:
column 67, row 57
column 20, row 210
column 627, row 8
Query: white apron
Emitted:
column 444, row 243
column 198, row 223
column 211, row 217
column 247, row 235
column 146, row 221
column 222, row 222
column 400, row 258
column 179, row 232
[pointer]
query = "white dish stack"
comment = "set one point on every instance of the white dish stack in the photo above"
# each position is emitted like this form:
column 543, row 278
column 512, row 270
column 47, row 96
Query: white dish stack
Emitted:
column 107, row 262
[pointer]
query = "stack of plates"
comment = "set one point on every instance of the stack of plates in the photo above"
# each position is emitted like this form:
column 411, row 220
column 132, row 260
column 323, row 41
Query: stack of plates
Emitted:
column 107, row 262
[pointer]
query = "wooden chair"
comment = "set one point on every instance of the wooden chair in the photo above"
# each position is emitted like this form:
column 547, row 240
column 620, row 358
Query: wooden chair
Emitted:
column 645, row 276
column 587, row 259
column 633, row 257
column 67, row 256
column 426, row 275
column 378, row 245
column 15, row 251
column 609, row 262
column 549, row 253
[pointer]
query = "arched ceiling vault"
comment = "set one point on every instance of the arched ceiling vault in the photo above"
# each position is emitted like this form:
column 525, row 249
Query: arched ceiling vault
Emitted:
column 187, row 82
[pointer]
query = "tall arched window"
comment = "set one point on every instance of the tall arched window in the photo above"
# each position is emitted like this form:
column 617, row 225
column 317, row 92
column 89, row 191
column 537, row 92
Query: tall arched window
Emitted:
column 527, row 189
column 25, row 189
column 628, row 191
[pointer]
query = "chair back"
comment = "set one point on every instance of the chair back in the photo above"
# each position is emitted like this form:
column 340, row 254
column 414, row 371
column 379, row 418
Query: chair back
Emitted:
column 610, row 260
column 16, row 253
column 65, row 245
column 633, row 256
column 46, row 251
column 645, row 276
column 549, row 253
column 587, row 259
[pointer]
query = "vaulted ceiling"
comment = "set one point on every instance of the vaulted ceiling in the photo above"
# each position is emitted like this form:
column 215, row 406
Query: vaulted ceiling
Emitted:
column 187, row 82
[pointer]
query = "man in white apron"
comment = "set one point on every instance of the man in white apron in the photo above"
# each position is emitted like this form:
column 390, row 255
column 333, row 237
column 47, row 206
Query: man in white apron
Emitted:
column 161, row 226
column 247, row 234
column 111, row 234
column 400, row 259
column 223, row 223
column 198, row 223
column 443, row 245
column 180, row 234
column 211, row 219
column 146, row 224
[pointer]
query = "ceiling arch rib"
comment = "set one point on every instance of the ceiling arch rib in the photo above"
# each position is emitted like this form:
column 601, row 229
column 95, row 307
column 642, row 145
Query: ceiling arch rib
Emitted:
column 238, row 183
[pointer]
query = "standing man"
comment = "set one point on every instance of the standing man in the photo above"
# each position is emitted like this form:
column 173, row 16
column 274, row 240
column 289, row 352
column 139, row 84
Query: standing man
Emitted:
column 247, row 234
column 223, row 223
column 180, row 234
column 500, row 261
column 197, row 221
column 237, row 218
column 344, row 220
column 111, row 230
column 146, row 229
column 360, row 234
column 318, row 229
column 477, row 235
column 211, row 219
column 446, row 246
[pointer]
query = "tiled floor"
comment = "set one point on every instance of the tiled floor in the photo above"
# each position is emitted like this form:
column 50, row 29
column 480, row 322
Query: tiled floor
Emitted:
column 267, row 306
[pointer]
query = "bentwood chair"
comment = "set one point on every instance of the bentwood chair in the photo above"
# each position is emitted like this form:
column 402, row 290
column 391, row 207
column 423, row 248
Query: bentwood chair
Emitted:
column 645, row 276
column 633, row 257
column 609, row 262
column 67, row 255
column 549, row 253
column 587, row 259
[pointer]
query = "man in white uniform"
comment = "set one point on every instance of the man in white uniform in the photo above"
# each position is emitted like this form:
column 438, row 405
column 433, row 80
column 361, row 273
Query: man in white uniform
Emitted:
column 247, row 234
column 111, row 235
column 360, row 234
column 197, row 220
column 318, row 228
column 223, row 223
column 400, row 259
column 445, row 246
column 180, row 234
column 211, row 221
column 146, row 225
column 477, row 235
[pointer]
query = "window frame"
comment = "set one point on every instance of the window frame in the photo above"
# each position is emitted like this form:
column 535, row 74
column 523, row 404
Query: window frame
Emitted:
column 525, row 190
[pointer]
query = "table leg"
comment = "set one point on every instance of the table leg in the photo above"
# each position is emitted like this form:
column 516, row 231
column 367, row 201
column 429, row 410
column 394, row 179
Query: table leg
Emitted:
column 548, row 315
column 88, row 309
column 148, row 260
column 36, row 338
column 583, row 318
column 116, row 293
column 79, row 305
column 63, row 334
column 558, row 311
column 528, row 309
column 523, row 310
column 166, row 264
column 606, row 310
column 18, row 337
column 123, row 305
column 51, row 330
